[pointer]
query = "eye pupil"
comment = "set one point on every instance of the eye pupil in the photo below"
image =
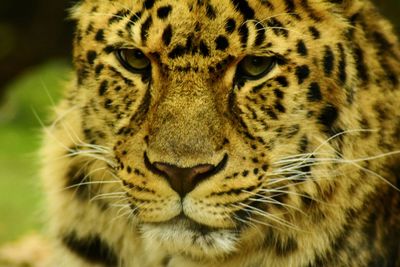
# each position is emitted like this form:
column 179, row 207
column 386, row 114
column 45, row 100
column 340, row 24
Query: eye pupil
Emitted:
column 138, row 54
column 257, row 61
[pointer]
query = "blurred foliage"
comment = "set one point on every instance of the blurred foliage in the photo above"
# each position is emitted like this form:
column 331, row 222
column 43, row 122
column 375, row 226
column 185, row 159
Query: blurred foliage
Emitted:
column 28, row 101
column 32, row 32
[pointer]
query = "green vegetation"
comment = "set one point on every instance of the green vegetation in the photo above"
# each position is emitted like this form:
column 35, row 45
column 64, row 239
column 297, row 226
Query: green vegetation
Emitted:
column 28, row 99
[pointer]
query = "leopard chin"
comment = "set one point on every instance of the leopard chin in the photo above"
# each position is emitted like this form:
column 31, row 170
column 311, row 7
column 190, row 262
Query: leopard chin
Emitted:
column 185, row 237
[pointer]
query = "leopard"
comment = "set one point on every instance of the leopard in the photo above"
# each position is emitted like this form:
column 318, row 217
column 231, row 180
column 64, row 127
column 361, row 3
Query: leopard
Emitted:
column 240, row 133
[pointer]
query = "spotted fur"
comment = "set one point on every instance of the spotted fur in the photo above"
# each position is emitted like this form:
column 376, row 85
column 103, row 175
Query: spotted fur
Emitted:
column 299, row 166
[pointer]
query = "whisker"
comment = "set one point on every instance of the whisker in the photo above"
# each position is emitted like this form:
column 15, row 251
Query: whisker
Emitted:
column 108, row 195
column 269, row 216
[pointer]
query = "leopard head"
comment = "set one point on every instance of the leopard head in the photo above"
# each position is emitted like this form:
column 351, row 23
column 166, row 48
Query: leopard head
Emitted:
column 225, row 118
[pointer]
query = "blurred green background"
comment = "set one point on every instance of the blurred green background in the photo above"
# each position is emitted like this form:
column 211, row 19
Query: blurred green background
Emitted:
column 35, row 60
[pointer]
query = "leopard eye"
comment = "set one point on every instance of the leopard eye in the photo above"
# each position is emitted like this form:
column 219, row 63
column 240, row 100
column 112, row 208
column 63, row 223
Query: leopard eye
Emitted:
column 254, row 67
column 133, row 60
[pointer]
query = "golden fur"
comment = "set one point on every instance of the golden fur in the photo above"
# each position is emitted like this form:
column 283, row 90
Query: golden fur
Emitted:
column 311, row 147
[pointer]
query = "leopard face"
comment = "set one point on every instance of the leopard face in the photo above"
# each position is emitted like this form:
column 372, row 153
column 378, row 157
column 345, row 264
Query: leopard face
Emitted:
column 224, row 119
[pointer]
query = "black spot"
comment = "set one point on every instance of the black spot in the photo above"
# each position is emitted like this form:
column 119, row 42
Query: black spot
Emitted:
column 210, row 12
column 301, row 48
column 103, row 87
column 280, row 197
column 98, row 69
column 354, row 18
column 145, row 29
column 342, row 65
column 141, row 111
column 277, row 27
column 107, row 103
column 290, row 7
column 303, row 144
column 223, row 63
column 362, row 70
column 302, row 73
column 271, row 113
column 328, row 116
column 189, row 43
column 278, row 93
column 257, row 88
column 163, row 12
column 120, row 15
column 278, row 106
column 328, row 61
column 260, row 37
column 285, row 248
column 230, row 25
column 109, row 49
column 390, row 73
column 244, row 8
column 129, row 169
column 265, row 167
column 178, row 51
column 381, row 111
column 267, row 4
column 244, row 34
column 89, row 29
column 91, row 56
column 308, row 201
column 382, row 43
column 320, row 260
column 166, row 261
column 204, row 50
column 314, row 32
column 314, row 92
column 197, row 27
column 99, row 35
column 221, row 43
column 74, row 179
column 82, row 74
column 91, row 249
column 310, row 11
column 148, row 4
column 282, row 81
column 133, row 19
column 167, row 35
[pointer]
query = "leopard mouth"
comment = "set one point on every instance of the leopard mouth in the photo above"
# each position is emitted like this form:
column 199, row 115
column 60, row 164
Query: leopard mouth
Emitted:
column 191, row 225
column 184, row 236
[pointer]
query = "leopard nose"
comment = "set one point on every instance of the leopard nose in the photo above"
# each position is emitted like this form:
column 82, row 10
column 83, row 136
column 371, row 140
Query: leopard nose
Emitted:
column 184, row 180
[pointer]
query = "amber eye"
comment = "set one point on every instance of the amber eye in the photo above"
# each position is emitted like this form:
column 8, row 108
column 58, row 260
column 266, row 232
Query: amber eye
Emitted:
column 133, row 60
column 254, row 67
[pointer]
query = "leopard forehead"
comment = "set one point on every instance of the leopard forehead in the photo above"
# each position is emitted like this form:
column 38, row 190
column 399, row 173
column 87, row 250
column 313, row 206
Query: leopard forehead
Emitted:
column 200, row 35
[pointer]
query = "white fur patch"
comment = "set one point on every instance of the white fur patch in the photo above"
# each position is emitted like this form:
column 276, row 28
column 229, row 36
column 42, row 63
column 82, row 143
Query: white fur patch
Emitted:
column 178, row 237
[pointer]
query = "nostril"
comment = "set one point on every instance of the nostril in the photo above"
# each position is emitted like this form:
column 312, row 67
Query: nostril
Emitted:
column 184, row 180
